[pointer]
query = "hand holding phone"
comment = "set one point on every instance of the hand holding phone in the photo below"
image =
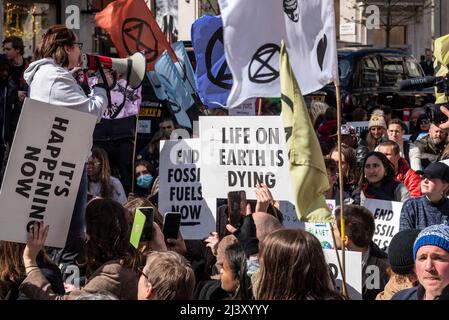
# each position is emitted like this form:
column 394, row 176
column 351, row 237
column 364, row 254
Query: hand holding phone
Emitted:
column 142, row 229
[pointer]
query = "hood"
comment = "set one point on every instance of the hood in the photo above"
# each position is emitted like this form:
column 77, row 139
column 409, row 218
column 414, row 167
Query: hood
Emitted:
column 29, row 73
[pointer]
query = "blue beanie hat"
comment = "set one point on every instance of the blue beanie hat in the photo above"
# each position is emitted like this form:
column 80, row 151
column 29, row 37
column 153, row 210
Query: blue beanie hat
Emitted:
column 436, row 235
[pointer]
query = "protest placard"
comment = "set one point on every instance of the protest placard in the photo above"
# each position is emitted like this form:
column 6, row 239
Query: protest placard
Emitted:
column 247, row 108
column 353, row 268
column 359, row 126
column 240, row 152
column 44, row 170
column 180, row 188
column 323, row 232
column 331, row 204
column 387, row 215
column 290, row 216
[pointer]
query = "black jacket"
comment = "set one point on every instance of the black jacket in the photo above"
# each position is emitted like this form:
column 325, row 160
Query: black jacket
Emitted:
column 8, row 99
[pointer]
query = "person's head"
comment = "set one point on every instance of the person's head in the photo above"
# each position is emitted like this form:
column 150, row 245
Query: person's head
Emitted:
column 234, row 278
column 400, row 251
column 13, row 47
column 359, row 114
column 265, row 224
column 12, row 269
column 348, row 162
column 436, row 134
column 4, row 69
column 435, row 181
column 391, row 150
column 376, row 168
column 348, row 135
column 61, row 44
column 330, row 114
column 166, row 276
column 98, row 169
column 431, row 255
column 396, row 130
column 387, row 112
column 423, row 123
column 377, row 127
column 422, row 58
column 332, row 171
column 107, row 234
column 225, row 242
column 292, row 267
column 145, row 174
column 416, row 112
column 359, row 227
column 429, row 55
column 167, row 126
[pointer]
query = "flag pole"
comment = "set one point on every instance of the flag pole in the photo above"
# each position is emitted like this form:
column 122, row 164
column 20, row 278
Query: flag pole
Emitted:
column 340, row 183
column 259, row 112
column 345, row 289
column 134, row 152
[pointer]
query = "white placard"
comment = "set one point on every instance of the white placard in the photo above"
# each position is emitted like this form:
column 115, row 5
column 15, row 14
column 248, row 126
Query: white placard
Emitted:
column 289, row 214
column 247, row 108
column 387, row 215
column 323, row 232
column 359, row 126
column 44, row 170
column 144, row 126
column 353, row 268
column 180, row 188
column 239, row 152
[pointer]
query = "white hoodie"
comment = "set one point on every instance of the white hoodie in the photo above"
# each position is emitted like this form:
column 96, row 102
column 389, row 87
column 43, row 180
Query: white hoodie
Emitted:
column 53, row 84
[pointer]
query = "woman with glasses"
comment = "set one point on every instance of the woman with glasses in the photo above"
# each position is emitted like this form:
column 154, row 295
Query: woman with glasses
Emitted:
column 101, row 183
column 422, row 128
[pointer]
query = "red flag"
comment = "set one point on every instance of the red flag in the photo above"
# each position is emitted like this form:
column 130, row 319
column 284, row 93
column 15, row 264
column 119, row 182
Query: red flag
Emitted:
column 132, row 28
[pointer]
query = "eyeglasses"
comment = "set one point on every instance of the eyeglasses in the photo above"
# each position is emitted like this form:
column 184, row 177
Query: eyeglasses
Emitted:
column 90, row 163
column 140, row 269
column 80, row 44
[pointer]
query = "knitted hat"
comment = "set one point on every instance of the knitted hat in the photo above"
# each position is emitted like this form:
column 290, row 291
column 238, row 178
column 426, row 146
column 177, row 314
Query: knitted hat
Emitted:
column 378, row 121
column 400, row 251
column 436, row 235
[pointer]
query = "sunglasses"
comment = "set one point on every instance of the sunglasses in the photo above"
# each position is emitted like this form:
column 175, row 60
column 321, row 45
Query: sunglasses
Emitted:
column 140, row 270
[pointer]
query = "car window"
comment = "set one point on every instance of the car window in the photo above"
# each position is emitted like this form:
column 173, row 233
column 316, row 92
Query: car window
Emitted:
column 344, row 68
column 412, row 68
column 370, row 72
column 393, row 70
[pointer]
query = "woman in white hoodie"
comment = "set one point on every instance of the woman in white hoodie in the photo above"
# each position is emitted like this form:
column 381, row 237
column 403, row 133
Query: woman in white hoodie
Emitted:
column 50, row 80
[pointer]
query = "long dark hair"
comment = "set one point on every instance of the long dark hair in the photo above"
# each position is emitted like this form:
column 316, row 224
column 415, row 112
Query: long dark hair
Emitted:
column 292, row 267
column 53, row 42
column 108, row 230
column 237, row 262
column 105, row 172
column 388, row 166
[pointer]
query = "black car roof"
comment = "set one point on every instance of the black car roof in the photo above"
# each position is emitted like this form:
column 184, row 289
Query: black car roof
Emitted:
column 360, row 51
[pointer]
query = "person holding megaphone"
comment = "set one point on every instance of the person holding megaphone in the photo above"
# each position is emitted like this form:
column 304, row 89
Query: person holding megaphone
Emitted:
column 50, row 79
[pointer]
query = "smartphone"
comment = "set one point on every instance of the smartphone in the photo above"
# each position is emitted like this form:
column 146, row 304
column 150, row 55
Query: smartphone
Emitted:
column 236, row 207
column 172, row 222
column 142, row 229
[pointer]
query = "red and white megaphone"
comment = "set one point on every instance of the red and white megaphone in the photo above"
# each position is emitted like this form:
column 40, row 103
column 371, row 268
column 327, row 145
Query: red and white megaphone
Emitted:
column 133, row 67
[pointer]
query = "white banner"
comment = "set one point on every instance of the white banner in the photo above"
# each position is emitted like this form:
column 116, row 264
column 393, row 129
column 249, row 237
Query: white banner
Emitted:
column 252, row 45
column 44, row 171
column 387, row 215
column 239, row 152
column 353, row 268
column 180, row 188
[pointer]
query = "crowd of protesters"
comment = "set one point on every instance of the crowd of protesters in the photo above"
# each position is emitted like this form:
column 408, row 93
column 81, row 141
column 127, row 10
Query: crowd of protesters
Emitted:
column 259, row 260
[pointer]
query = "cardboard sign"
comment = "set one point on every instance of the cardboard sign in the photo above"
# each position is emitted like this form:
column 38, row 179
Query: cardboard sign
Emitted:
column 323, row 232
column 359, row 126
column 240, row 152
column 247, row 108
column 180, row 188
column 290, row 217
column 387, row 215
column 353, row 268
column 44, row 171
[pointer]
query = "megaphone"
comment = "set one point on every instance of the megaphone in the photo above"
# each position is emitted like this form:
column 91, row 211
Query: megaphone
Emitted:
column 133, row 67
